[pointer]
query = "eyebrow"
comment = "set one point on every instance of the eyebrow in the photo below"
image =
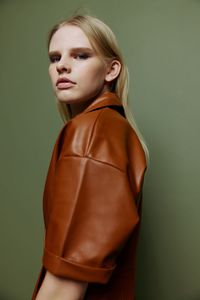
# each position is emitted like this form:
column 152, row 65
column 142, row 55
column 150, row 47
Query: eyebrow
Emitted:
column 73, row 49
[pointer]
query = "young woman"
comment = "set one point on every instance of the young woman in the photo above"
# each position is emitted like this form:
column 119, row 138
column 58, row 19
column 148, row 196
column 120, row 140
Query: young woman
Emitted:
column 93, row 191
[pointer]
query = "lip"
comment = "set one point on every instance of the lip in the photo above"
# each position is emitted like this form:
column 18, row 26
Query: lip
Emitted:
column 64, row 85
column 64, row 80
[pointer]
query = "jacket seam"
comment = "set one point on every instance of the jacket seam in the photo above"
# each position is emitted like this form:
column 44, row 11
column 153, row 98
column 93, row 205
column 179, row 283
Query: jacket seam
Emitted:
column 74, row 262
column 97, row 160
column 92, row 131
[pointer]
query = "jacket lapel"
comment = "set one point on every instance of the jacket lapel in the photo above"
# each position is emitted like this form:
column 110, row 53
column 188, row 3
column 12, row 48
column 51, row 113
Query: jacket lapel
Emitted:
column 107, row 99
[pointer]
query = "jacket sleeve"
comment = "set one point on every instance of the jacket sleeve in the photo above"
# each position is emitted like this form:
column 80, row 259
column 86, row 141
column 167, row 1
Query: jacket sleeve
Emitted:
column 91, row 216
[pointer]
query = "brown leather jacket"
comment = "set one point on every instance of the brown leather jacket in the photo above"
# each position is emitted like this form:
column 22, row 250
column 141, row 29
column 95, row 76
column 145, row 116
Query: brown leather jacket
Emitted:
column 92, row 202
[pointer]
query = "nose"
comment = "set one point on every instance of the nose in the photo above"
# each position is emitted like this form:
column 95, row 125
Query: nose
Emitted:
column 63, row 66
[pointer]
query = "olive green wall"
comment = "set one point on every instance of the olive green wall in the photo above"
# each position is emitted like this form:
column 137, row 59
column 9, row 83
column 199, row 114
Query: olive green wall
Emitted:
column 161, row 44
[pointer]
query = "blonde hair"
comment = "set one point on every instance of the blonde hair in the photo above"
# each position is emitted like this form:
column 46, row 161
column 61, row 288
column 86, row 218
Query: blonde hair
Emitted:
column 105, row 44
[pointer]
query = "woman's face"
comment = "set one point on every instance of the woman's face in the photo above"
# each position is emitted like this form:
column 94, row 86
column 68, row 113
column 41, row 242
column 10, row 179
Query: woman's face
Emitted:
column 73, row 58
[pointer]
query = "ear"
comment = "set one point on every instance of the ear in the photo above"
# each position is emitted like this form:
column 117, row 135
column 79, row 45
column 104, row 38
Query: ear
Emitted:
column 113, row 71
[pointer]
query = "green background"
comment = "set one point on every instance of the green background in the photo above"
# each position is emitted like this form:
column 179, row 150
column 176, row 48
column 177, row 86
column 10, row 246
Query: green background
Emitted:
column 160, row 40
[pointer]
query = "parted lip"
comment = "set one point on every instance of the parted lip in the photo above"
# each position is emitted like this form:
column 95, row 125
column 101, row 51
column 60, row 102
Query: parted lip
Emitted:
column 63, row 79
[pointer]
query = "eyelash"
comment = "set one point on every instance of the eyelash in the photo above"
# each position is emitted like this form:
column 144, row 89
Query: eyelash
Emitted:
column 81, row 55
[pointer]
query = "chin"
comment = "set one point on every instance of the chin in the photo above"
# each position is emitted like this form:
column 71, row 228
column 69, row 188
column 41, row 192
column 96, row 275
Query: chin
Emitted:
column 69, row 99
column 66, row 95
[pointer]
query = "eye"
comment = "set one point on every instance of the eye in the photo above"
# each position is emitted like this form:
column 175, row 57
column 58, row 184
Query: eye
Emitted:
column 54, row 58
column 81, row 56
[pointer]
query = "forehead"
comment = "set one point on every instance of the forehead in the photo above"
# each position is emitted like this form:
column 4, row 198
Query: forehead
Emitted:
column 69, row 36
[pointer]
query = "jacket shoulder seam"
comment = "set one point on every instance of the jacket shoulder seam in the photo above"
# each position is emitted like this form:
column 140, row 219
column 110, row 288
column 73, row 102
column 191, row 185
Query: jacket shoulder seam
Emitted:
column 91, row 139
column 96, row 160
column 92, row 131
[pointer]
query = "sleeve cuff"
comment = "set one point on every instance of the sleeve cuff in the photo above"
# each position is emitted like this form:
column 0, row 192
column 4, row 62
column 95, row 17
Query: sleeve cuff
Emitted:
column 67, row 268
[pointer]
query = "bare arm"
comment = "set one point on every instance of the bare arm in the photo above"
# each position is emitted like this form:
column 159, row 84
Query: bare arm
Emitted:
column 57, row 288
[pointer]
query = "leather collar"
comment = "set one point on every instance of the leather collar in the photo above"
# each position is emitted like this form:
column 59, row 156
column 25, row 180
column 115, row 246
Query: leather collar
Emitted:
column 106, row 99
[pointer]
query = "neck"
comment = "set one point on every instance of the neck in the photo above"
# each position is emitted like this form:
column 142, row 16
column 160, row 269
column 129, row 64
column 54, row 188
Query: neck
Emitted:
column 76, row 108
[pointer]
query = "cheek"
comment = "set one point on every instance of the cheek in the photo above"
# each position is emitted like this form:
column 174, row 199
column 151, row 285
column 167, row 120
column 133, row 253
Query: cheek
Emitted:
column 51, row 72
column 95, row 73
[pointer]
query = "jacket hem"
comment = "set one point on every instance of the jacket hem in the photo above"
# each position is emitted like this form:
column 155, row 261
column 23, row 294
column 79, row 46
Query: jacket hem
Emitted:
column 60, row 266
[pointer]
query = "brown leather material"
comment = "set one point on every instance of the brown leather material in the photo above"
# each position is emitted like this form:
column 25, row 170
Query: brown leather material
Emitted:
column 92, row 201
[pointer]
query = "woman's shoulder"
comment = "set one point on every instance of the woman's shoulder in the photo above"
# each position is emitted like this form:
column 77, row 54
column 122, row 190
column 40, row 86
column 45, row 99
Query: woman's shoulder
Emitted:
column 109, row 139
column 103, row 134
